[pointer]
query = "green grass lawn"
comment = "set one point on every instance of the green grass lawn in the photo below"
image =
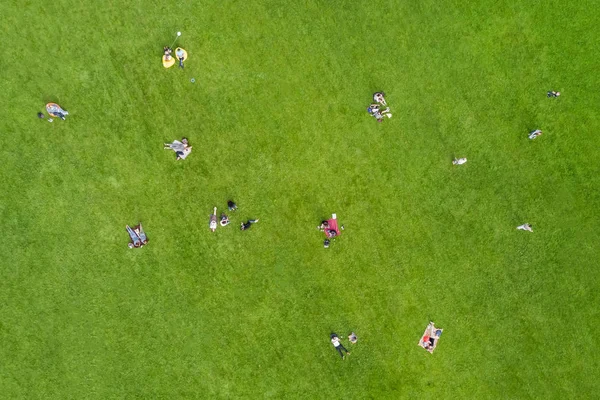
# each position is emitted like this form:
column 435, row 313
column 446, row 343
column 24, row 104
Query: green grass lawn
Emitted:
column 277, row 121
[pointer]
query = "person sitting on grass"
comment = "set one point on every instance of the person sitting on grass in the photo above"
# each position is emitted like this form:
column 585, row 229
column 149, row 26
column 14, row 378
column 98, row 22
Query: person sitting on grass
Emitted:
column 224, row 220
column 352, row 338
column 335, row 340
column 324, row 225
column 377, row 113
column 378, row 98
column 248, row 225
column 231, row 205
column 141, row 234
column 212, row 224
column 135, row 239
column 430, row 337
column 181, row 149
column 331, row 233
column 56, row 111
column 326, row 243
column 167, row 52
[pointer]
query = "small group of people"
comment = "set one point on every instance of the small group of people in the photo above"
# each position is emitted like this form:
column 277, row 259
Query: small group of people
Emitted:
column 330, row 229
column 224, row 219
column 168, row 60
column 375, row 109
column 137, row 235
column 337, row 344
column 430, row 337
column 181, row 148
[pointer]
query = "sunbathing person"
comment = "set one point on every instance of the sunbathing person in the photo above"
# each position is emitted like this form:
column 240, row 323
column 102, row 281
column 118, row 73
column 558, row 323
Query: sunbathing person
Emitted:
column 181, row 149
column 167, row 52
column 378, row 98
column 248, row 225
column 56, row 111
column 181, row 56
column 377, row 113
column 213, row 220
column 135, row 239
column 141, row 234
column 430, row 337
column 535, row 134
column 181, row 155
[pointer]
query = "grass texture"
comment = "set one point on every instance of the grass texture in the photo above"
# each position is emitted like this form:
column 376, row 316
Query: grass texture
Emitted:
column 277, row 119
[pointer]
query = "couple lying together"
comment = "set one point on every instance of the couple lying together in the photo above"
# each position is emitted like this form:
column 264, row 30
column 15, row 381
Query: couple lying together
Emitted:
column 137, row 236
column 182, row 149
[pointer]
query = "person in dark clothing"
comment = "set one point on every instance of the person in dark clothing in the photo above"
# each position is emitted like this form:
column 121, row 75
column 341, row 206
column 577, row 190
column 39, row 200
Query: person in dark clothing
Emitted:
column 232, row 206
column 326, row 243
column 552, row 93
column 247, row 225
column 335, row 340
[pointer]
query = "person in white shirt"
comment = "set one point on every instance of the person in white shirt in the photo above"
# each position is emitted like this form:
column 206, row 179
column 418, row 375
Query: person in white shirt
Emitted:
column 535, row 134
column 459, row 161
column 335, row 340
column 525, row 227
column 378, row 98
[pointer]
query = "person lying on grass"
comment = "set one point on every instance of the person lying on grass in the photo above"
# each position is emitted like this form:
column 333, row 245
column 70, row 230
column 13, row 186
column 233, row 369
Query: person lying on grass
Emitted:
column 135, row 239
column 377, row 113
column 248, row 225
column 535, row 134
column 141, row 234
column 182, row 149
column 180, row 56
column 213, row 220
column 335, row 341
column 430, row 337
